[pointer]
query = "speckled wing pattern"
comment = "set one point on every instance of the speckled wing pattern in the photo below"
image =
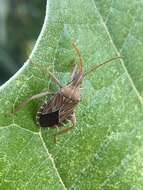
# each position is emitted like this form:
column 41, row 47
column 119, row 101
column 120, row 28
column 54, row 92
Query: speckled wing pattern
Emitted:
column 55, row 112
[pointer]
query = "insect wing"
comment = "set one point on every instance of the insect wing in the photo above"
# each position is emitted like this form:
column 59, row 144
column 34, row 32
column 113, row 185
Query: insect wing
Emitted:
column 48, row 114
column 50, row 119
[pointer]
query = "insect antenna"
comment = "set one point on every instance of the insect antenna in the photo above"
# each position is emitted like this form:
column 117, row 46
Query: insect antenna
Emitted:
column 79, row 54
column 100, row 65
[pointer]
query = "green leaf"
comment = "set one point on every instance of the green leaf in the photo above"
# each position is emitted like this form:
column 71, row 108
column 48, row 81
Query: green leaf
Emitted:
column 106, row 148
column 24, row 161
column 124, row 22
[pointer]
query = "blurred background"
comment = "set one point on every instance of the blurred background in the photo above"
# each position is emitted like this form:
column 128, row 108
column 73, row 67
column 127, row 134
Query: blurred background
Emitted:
column 20, row 25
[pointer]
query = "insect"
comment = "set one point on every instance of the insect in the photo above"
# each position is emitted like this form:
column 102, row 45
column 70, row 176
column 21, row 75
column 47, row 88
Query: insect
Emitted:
column 61, row 107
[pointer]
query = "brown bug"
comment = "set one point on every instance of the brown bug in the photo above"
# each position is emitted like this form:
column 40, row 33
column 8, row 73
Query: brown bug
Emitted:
column 61, row 107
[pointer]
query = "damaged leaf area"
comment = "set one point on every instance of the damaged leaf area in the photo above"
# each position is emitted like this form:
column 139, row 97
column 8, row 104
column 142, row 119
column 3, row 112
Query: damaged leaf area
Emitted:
column 105, row 150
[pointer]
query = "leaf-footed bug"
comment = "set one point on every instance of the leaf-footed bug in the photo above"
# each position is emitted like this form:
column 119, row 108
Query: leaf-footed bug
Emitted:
column 61, row 107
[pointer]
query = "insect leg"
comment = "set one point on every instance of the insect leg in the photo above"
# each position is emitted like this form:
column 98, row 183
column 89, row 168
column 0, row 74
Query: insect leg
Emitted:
column 73, row 121
column 37, row 96
column 45, row 71
column 55, row 79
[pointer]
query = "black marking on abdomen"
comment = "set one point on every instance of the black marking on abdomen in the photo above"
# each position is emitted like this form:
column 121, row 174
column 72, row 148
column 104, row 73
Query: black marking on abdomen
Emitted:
column 49, row 119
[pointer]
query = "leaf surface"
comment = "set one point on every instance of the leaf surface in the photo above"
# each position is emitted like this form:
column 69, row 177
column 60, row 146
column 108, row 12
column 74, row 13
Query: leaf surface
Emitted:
column 105, row 150
column 124, row 20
